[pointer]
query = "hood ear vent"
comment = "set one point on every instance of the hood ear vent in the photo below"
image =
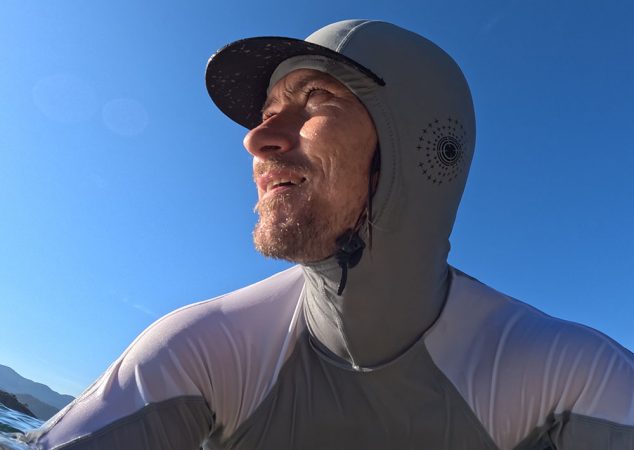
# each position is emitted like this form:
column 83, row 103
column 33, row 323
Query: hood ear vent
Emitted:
column 440, row 149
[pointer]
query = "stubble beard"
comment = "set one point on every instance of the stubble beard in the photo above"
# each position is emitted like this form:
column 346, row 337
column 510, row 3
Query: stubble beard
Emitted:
column 290, row 228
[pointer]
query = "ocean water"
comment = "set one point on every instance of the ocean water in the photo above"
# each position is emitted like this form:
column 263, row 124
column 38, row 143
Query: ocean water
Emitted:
column 12, row 425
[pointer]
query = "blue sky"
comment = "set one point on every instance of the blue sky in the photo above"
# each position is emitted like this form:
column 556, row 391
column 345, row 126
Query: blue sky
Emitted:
column 125, row 194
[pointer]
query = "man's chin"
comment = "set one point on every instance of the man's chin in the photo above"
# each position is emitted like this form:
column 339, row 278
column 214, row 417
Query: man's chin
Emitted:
column 282, row 204
column 291, row 241
column 279, row 244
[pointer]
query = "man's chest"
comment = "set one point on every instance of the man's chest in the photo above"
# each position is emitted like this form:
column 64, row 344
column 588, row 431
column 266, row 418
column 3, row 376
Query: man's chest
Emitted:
column 317, row 405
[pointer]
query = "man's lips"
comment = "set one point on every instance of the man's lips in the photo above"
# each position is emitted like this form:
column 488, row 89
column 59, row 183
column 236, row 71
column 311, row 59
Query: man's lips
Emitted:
column 278, row 180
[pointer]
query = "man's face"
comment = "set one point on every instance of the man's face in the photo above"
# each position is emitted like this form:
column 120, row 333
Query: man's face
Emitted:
column 311, row 161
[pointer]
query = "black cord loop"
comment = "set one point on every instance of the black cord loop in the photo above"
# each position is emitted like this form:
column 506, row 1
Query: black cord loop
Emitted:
column 349, row 254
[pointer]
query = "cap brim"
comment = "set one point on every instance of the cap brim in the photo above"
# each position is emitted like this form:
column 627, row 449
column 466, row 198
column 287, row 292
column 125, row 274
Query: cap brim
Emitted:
column 238, row 74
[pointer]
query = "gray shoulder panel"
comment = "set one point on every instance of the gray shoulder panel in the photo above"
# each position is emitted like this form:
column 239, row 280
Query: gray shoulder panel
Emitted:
column 178, row 423
column 577, row 432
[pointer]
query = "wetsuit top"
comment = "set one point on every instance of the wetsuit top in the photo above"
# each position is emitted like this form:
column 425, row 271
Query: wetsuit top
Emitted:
column 413, row 354
column 243, row 372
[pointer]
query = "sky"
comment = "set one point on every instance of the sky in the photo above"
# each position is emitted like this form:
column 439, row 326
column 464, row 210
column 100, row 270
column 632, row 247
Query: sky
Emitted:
column 125, row 194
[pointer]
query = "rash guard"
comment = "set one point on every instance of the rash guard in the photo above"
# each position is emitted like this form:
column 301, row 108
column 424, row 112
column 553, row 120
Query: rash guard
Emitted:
column 411, row 354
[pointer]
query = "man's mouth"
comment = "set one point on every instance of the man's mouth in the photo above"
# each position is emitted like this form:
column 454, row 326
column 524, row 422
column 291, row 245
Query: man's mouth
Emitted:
column 278, row 181
column 276, row 184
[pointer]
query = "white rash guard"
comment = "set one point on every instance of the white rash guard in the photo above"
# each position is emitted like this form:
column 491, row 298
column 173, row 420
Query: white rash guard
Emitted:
column 242, row 372
column 413, row 354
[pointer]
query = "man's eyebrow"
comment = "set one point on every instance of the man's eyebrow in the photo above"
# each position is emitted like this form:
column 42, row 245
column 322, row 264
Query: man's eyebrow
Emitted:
column 290, row 91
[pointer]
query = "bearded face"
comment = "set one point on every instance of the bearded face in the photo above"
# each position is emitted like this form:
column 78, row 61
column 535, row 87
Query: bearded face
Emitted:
column 295, row 224
column 312, row 154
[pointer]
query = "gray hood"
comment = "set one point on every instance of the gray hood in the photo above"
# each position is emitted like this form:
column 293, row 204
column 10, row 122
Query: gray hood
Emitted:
column 423, row 113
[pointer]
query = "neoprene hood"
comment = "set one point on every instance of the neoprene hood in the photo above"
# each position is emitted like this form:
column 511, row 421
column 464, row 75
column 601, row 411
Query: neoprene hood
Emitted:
column 421, row 106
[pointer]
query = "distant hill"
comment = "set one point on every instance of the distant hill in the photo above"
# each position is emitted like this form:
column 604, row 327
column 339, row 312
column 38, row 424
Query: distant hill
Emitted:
column 10, row 401
column 42, row 411
column 13, row 382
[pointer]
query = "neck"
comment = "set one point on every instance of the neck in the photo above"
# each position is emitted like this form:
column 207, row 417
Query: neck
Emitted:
column 391, row 297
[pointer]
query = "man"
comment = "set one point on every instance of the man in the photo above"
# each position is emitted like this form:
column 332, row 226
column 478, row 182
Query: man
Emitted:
column 361, row 138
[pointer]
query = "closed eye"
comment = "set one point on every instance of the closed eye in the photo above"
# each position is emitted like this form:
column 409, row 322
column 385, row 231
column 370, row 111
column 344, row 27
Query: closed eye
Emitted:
column 312, row 91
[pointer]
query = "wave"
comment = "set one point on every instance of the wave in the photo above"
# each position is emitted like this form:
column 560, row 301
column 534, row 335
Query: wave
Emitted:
column 12, row 425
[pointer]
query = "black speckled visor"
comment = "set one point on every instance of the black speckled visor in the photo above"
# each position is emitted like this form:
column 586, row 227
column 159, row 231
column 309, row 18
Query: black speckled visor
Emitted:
column 238, row 74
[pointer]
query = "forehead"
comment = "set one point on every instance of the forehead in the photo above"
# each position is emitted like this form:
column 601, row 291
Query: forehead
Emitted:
column 304, row 76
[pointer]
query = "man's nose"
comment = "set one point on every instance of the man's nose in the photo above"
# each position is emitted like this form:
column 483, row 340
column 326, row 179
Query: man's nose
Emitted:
column 276, row 135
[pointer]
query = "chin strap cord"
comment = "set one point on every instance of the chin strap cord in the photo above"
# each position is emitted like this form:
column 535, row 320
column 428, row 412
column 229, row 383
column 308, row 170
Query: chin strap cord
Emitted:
column 349, row 254
column 350, row 243
column 373, row 179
